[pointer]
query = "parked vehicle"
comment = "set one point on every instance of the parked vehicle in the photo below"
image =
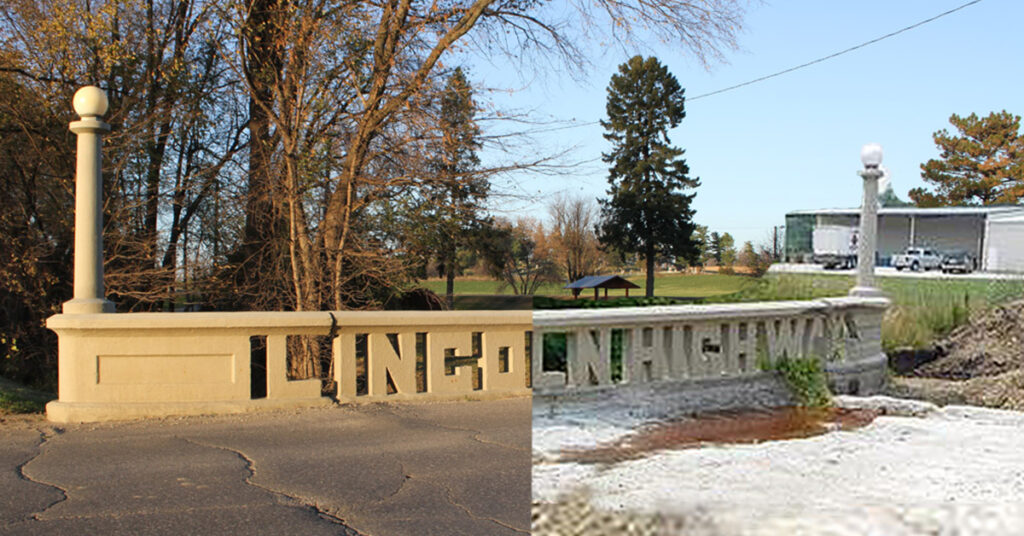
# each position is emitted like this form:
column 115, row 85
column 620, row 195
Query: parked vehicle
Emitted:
column 957, row 261
column 917, row 259
column 835, row 246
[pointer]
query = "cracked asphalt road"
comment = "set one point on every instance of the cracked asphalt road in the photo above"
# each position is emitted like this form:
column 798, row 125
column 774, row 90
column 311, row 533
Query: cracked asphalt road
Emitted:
column 384, row 469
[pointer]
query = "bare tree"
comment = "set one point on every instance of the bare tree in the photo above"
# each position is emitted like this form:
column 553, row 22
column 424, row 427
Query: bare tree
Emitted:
column 576, row 246
column 392, row 54
column 288, row 127
column 518, row 255
column 167, row 162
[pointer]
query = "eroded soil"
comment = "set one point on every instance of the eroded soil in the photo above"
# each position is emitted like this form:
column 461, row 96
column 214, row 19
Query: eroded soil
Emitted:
column 750, row 426
column 991, row 344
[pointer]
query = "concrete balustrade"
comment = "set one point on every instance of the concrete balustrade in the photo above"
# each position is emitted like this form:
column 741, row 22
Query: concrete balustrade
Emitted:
column 390, row 342
column 690, row 344
column 152, row 364
column 115, row 366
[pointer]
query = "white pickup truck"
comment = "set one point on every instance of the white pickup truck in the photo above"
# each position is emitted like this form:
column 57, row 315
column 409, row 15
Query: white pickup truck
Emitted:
column 917, row 259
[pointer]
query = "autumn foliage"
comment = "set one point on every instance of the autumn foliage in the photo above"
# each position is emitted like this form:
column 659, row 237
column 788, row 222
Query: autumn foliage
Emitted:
column 981, row 165
column 262, row 151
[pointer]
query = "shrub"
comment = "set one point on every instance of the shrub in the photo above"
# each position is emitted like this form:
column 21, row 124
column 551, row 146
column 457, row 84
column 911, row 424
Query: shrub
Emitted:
column 554, row 351
column 805, row 379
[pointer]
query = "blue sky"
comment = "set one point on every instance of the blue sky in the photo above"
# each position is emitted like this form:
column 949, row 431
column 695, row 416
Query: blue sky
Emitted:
column 792, row 142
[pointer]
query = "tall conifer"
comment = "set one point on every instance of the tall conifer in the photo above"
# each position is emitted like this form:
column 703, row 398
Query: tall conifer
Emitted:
column 647, row 212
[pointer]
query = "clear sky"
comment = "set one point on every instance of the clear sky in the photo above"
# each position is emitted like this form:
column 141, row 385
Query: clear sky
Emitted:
column 792, row 142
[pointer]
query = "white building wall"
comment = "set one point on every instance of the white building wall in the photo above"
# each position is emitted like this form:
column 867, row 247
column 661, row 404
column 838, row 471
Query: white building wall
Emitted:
column 1005, row 248
column 893, row 237
column 951, row 233
column 943, row 233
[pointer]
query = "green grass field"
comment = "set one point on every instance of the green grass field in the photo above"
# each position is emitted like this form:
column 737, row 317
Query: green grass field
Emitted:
column 976, row 292
column 923, row 310
column 670, row 285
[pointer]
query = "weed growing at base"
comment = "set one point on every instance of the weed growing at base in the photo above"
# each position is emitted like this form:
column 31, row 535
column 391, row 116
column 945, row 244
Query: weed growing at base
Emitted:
column 805, row 379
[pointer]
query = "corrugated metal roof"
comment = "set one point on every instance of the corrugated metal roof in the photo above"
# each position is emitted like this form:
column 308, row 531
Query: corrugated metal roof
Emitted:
column 911, row 211
column 602, row 281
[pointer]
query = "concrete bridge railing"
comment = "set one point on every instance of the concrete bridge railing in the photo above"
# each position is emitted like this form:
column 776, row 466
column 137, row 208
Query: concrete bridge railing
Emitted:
column 691, row 343
column 115, row 366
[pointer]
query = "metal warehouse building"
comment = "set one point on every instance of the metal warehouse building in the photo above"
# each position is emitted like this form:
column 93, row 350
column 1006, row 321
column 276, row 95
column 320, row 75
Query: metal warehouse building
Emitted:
column 993, row 235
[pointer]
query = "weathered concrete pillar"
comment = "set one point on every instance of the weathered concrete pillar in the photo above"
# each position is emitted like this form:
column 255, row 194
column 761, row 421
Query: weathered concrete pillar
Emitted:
column 90, row 104
column 871, row 156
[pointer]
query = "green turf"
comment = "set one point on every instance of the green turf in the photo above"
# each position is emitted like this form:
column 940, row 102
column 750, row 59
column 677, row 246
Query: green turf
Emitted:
column 923, row 310
column 16, row 398
column 669, row 285
column 902, row 290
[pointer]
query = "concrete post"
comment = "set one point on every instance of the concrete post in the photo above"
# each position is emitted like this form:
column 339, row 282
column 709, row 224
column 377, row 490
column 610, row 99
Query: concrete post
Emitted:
column 90, row 104
column 868, row 238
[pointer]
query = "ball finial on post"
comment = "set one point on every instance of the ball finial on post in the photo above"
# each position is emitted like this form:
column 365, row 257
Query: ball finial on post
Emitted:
column 871, row 157
column 90, row 101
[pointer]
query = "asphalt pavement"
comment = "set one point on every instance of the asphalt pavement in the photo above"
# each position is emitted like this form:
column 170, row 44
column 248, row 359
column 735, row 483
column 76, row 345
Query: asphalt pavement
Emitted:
column 382, row 469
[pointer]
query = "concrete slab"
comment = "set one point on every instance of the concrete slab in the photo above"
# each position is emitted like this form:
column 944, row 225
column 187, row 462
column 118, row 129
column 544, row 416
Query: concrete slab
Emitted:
column 21, row 497
column 951, row 470
column 504, row 423
column 254, row 519
column 381, row 469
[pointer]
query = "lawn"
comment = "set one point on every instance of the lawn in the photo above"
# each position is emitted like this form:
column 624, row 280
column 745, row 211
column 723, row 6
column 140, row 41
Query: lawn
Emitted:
column 16, row 398
column 923, row 310
column 668, row 285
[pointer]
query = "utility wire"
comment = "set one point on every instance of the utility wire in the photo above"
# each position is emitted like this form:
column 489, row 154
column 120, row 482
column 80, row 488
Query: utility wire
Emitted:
column 808, row 64
column 840, row 53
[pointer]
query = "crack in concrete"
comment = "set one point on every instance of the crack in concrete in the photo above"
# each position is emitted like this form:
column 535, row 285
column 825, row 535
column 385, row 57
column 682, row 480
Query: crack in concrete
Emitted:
column 154, row 511
column 401, row 485
column 476, row 434
column 250, row 466
column 44, row 438
column 464, row 508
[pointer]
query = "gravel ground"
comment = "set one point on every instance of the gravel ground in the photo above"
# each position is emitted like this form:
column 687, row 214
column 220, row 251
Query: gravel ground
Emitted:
column 952, row 470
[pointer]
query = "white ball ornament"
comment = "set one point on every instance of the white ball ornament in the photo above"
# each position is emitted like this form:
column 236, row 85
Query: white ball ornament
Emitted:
column 90, row 101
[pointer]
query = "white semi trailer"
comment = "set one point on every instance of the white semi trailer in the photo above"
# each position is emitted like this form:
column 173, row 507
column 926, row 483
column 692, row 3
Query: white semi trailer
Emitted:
column 835, row 246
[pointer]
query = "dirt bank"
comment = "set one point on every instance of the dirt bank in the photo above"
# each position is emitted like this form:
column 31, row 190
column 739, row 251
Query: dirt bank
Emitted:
column 980, row 363
column 991, row 344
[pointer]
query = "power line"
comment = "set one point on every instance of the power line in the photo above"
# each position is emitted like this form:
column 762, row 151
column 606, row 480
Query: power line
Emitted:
column 808, row 64
column 840, row 53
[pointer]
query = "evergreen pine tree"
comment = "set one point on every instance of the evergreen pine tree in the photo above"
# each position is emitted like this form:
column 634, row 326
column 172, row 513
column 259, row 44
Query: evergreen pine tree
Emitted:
column 983, row 165
column 715, row 249
column 454, row 202
column 647, row 212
